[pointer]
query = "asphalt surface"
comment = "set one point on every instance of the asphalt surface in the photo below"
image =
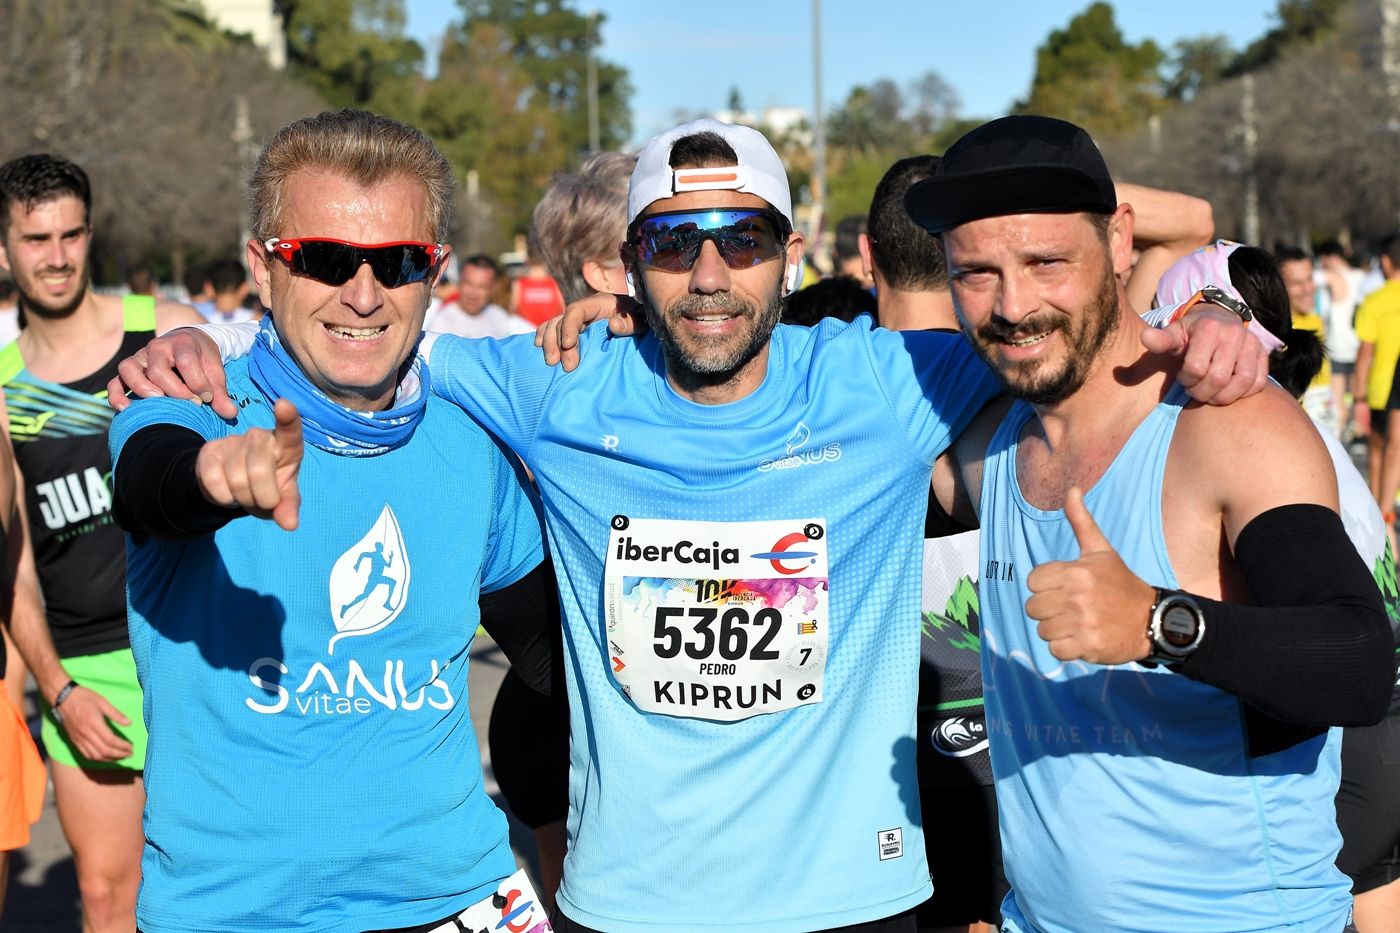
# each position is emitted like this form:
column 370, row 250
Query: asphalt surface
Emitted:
column 43, row 890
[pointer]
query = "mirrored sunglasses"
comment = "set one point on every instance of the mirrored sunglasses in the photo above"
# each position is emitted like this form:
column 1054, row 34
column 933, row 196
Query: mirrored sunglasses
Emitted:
column 670, row 241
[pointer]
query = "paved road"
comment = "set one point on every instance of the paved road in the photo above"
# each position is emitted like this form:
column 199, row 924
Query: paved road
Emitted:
column 43, row 891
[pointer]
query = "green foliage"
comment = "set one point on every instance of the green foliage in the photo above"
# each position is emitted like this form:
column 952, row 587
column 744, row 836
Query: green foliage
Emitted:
column 354, row 53
column 852, row 184
column 549, row 40
column 1300, row 22
column 1196, row 63
column 959, row 623
column 480, row 112
column 1088, row 74
column 879, row 124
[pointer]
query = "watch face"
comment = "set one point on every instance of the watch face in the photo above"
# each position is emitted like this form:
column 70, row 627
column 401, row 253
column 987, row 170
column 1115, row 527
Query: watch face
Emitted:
column 1178, row 626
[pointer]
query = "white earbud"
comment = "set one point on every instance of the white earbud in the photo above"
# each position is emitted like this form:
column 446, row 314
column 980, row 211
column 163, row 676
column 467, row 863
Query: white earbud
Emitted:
column 631, row 287
column 794, row 277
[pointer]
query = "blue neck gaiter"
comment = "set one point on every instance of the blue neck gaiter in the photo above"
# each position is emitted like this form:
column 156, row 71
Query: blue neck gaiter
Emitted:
column 327, row 425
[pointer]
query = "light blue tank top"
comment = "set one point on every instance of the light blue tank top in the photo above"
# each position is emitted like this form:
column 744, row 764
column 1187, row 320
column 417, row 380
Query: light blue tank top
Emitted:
column 1128, row 801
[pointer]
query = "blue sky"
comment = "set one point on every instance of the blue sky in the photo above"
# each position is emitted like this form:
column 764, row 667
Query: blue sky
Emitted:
column 986, row 50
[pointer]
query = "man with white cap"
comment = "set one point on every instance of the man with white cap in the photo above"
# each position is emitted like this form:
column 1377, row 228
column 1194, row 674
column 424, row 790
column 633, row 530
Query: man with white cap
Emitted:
column 740, row 501
column 736, row 511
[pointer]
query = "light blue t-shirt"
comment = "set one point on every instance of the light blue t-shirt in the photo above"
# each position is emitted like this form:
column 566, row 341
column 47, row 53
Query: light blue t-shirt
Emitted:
column 312, row 766
column 1128, row 801
column 736, row 582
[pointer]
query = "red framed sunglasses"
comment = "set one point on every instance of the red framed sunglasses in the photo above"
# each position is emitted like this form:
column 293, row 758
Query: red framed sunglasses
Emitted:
column 335, row 262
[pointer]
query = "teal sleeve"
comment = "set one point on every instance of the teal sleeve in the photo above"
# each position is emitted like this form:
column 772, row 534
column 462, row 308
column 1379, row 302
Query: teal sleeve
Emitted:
column 933, row 382
column 503, row 384
column 516, row 545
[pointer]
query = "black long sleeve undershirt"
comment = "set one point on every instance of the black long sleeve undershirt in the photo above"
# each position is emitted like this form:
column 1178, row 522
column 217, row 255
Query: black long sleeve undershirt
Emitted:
column 156, row 492
column 1315, row 650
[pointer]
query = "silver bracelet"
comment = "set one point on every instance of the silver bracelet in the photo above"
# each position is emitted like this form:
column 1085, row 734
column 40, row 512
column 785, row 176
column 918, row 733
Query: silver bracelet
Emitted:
column 63, row 694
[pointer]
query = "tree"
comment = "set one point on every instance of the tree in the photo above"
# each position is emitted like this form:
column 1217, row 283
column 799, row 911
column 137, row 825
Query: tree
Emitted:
column 934, row 103
column 1086, row 73
column 144, row 96
column 354, row 53
column 879, row 124
column 550, row 42
column 1196, row 63
column 736, row 102
column 871, row 120
column 482, row 114
column 1300, row 22
column 1327, row 158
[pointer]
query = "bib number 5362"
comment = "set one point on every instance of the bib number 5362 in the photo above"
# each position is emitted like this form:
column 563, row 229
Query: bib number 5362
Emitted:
column 724, row 631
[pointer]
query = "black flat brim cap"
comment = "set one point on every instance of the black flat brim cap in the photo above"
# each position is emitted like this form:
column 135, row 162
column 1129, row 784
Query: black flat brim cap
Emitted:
column 1015, row 165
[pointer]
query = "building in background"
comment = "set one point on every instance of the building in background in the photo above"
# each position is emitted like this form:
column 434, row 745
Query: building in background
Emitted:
column 260, row 20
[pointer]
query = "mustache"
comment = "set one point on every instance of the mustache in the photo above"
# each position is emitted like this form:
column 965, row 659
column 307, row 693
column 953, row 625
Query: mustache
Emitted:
column 699, row 305
column 995, row 329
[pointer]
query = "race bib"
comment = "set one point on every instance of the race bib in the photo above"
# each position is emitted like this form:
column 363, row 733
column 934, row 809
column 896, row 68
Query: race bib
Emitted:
column 514, row 908
column 717, row 620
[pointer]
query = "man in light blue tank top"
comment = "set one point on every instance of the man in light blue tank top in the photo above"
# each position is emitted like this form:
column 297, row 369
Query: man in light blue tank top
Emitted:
column 312, row 765
column 735, row 509
column 1163, row 653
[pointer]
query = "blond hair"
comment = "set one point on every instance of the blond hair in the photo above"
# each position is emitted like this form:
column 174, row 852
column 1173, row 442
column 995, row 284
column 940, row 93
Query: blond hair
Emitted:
column 583, row 217
column 357, row 144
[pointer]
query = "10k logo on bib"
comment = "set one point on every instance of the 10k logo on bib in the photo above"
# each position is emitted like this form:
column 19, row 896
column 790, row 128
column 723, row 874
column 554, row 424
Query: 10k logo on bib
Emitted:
column 717, row 620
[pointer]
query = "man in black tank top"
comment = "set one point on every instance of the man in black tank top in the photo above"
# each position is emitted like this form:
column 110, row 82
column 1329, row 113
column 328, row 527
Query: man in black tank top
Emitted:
column 69, row 617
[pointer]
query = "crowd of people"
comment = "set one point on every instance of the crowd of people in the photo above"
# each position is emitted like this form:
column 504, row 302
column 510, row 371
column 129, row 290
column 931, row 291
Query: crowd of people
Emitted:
column 995, row 586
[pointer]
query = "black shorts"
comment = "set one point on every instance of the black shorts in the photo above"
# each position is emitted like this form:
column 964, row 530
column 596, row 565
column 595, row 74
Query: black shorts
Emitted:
column 529, row 741
column 1368, row 804
column 1380, row 422
column 963, row 844
column 900, row 923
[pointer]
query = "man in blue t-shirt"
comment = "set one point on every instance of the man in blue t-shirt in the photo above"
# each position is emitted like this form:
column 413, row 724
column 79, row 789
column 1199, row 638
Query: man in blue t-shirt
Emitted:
column 735, row 508
column 312, row 763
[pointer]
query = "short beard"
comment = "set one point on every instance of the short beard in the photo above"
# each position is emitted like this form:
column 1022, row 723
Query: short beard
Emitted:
column 1031, row 381
column 695, row 370
column 33, row 308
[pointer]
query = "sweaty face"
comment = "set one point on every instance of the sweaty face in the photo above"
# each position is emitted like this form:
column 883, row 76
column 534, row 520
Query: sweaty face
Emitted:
column 46, row 252
column 477, row 285
column 351, row 340
column 1037, row 296
column 713, row 321
column 1298, row 279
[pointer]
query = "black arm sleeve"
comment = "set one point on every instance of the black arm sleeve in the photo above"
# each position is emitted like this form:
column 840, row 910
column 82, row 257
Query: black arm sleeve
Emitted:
column 523, row 619
column 1315, row 650
column 156, row 491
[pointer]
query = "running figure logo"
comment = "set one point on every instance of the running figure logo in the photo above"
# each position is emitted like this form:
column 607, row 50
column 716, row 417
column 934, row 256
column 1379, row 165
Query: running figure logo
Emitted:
column 369, row 582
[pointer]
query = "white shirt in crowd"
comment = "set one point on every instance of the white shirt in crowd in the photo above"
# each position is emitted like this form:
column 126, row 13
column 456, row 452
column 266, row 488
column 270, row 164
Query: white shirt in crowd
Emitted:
column 493, row 321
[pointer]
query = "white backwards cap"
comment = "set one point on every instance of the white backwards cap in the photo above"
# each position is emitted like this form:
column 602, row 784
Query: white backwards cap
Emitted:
column 759, row 171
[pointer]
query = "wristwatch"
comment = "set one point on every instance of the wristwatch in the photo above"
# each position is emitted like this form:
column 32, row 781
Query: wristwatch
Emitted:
column 1175, row 627
column 1230, row 303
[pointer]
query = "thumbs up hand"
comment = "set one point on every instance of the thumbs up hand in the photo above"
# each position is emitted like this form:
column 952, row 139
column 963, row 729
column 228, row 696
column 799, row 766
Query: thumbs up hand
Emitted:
column 1093, row 608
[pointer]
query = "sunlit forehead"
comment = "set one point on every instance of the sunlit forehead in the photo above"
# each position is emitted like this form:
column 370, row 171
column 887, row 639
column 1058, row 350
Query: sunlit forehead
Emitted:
column 1017, row 240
